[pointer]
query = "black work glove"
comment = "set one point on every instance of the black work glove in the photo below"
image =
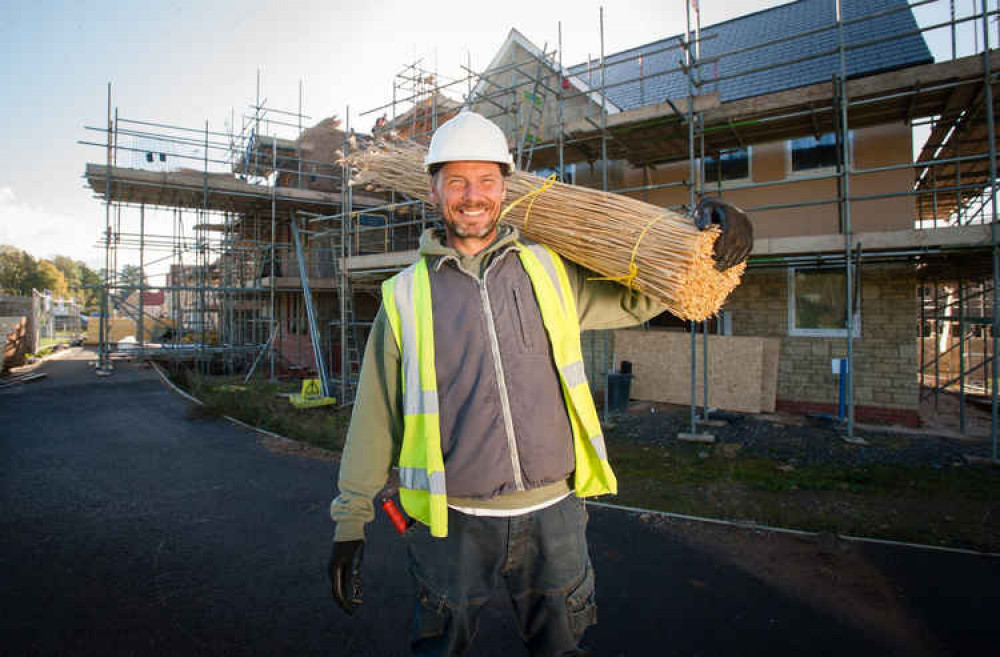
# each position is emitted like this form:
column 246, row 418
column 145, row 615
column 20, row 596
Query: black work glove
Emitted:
column 344, row 570
column 736, row 240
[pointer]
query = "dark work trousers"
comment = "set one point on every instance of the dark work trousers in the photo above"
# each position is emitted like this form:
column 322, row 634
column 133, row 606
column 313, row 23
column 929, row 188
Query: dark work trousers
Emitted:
column 542, row 559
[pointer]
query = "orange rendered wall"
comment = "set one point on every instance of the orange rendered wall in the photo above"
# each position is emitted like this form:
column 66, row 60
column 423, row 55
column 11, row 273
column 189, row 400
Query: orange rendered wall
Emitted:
column 871, row 147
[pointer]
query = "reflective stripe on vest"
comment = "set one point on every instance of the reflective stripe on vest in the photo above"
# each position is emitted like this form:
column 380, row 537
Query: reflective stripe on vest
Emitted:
column 407, row 301
column 593, row 474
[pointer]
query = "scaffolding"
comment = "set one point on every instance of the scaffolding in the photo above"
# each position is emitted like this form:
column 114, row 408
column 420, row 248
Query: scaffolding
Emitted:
column 537, row 101
column 206, row 218
column 680, row 136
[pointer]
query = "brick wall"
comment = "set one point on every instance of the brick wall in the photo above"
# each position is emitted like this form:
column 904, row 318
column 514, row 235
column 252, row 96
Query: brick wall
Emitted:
column 886, row 357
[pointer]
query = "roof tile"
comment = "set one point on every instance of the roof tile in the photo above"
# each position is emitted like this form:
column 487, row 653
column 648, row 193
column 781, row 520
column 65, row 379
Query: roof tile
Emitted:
column 731, row 74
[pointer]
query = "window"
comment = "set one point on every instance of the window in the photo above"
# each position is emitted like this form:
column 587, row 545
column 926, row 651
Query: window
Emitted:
column 297, row 321
column 569, row 169
column 372, row 220
column 817, row 304
column 810, row 153
column 729, row 164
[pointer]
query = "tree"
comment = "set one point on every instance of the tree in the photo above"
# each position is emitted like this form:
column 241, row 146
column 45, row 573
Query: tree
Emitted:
column 129, row 280
column 70, row 270
column 17, row 271
column 90, row 282
column 48, row 277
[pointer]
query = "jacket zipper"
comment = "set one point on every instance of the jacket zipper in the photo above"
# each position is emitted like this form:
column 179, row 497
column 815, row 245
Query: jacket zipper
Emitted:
column 508, row 420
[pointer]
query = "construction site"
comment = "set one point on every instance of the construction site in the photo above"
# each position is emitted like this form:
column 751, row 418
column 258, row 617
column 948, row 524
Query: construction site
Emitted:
column 867, row 165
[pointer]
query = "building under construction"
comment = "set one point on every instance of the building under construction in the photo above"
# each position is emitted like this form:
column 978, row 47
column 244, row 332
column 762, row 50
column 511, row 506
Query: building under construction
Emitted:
column 867, row 166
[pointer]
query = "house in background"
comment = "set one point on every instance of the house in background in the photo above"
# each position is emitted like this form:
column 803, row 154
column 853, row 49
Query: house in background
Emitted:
column 758, row 116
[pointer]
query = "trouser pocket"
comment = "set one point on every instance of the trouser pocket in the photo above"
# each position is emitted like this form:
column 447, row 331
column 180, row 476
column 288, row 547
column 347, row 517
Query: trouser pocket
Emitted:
column 581, row 607
column 433, row 614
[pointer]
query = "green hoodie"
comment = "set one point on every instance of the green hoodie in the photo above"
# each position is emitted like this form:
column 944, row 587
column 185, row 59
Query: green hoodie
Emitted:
column 376, row 425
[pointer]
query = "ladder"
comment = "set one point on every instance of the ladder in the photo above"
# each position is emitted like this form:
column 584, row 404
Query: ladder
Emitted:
column 350, row 344
column 531, row 114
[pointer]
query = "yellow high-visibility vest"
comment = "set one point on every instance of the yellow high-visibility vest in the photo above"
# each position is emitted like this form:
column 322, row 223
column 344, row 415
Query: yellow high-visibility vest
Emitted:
column 406, row 298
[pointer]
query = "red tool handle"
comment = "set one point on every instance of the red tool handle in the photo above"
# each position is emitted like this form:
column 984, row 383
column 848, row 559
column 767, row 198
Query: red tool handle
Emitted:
column 398, row 521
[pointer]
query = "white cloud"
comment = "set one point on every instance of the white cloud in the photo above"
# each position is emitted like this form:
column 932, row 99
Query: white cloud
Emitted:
column 44, row 233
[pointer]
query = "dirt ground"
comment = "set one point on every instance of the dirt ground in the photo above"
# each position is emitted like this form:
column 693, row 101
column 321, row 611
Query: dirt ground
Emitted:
column 803, row 439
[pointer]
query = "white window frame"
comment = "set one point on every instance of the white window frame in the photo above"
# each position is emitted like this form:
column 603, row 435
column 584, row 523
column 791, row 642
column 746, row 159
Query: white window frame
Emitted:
column 805, row 173
column 569, row 171
column 708, row 186
column 794, row 331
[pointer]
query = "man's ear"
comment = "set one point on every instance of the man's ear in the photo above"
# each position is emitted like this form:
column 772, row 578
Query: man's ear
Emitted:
column 432, row 186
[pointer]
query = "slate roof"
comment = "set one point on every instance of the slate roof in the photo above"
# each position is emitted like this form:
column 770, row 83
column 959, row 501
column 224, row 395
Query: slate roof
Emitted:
column 795, row 18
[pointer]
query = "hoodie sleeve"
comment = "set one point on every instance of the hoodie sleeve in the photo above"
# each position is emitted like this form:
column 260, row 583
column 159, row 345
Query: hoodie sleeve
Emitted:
column 376, row 425
column 605, row 305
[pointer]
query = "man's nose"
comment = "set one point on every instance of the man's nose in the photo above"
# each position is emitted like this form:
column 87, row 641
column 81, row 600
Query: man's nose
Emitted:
column 473, row 192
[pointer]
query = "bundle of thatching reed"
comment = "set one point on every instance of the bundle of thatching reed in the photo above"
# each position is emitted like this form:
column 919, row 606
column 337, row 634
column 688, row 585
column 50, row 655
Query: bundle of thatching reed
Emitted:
column 656, row 251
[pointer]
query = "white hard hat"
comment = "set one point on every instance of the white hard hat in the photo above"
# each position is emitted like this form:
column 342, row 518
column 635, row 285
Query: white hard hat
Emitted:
column 468, row 136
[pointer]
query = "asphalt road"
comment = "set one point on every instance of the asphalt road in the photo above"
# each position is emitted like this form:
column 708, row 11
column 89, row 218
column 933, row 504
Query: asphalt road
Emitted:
column 131, row 526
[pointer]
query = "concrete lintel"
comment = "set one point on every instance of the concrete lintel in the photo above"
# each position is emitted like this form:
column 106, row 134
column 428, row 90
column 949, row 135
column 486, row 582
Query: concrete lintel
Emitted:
column 696, row 437
column 952, row 236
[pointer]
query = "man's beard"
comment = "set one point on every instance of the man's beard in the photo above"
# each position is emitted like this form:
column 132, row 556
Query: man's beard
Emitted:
column 462, row 230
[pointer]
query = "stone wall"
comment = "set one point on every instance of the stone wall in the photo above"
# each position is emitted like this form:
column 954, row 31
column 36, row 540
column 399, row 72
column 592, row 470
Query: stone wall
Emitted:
column 19, row 332
column 30, row 309
column 886, row 356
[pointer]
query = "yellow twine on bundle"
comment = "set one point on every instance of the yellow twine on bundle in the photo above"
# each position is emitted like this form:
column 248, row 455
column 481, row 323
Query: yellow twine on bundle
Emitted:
column 633, row 270
column 549, row 182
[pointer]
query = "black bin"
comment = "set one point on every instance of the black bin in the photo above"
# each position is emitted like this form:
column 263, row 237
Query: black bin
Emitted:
column 619, row 387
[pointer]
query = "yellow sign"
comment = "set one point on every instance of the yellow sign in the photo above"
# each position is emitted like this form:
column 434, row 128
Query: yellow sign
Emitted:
column 311, row 388
column 298, row 401
column 311, row 395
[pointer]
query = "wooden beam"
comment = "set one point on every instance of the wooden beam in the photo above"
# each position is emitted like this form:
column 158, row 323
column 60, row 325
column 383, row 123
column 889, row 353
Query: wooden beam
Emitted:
column 360, row 264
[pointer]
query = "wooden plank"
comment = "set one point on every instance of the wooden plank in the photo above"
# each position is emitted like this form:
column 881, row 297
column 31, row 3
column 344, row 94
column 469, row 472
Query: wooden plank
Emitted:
column 634, row 117
column 127, row 180
column 295, row 283
column 661, row 362
column 769, row 370
column 380, row 261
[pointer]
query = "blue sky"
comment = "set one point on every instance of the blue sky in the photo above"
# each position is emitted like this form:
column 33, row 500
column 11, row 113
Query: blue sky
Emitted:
column 185, row 62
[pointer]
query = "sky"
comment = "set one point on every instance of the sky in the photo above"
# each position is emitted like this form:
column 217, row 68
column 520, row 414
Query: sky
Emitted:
column 187, row 62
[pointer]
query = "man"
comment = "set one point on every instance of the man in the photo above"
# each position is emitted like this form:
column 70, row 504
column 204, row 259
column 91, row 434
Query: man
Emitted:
column 474, row 371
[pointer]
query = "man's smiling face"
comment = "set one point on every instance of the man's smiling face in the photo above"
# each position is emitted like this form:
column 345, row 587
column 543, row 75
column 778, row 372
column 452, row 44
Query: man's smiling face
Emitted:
column 470, row 196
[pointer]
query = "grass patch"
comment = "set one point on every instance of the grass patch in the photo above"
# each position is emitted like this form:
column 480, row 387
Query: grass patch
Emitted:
column 43, row 352
column 261, row 404
column 954, row 506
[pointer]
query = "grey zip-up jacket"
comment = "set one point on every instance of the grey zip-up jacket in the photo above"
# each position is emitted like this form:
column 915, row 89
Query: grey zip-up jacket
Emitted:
column 505, row 433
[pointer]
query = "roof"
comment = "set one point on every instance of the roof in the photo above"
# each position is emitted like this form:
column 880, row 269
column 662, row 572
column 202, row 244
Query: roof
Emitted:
column 153, row 298
column 515, row 38
column 814, row 20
